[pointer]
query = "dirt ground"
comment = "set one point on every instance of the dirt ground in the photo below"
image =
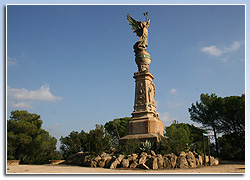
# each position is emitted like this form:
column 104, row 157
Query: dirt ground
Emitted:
column 226, row 167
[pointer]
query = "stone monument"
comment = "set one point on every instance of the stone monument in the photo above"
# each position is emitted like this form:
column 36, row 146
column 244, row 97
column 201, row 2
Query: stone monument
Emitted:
column 145, row 123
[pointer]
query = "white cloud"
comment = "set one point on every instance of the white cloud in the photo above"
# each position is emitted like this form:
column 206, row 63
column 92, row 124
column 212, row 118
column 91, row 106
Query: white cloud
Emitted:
column 23, row 98
column 53, row 129
column 166, row 117
column 224, row 59
column 212, row 50
column 219, row 51
column 172, row 91
column 42, row 94
column 11, row 61
column 173, row 104
column 22, row 105
column 234, row 47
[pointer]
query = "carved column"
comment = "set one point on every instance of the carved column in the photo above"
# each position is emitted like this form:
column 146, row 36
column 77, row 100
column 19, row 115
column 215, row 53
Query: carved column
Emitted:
column 145, row 118
column 144, row 96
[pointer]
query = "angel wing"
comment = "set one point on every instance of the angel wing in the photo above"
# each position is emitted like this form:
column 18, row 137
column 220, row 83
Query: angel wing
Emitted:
column 135, row 25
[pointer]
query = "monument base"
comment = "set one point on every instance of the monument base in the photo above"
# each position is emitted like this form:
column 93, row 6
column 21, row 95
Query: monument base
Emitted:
column 145, row 125
column 141, row 137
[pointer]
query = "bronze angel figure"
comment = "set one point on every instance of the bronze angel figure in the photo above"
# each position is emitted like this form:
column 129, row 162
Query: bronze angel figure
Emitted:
column 141, row 30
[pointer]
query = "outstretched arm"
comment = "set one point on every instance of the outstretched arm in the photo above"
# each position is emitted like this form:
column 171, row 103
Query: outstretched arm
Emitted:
column 148, row 22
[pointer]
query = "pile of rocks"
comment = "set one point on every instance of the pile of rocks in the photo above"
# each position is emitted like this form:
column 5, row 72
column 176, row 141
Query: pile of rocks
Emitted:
column 142, row 160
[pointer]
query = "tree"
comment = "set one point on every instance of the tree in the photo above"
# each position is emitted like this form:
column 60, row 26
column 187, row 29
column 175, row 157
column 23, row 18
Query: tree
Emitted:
column 96, row 142
column 233, row 121
column 163, row 146
column 229, row 148
column 222, row 115
column 130, row 147
column 181, row 137
column 196, row 138
column 73, row 143
column 26, row 140
column 206, row 112
column 178, row 136
column 117, row 129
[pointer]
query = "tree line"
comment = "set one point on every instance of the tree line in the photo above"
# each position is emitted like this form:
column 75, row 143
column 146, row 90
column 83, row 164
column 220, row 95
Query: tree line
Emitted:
column 27, row 141
column 31, row 144
column 224, row 116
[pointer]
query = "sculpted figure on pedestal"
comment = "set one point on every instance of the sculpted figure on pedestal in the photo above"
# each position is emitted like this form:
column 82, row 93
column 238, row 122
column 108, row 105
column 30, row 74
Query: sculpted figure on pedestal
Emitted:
column 141, row 30
column 145, row 123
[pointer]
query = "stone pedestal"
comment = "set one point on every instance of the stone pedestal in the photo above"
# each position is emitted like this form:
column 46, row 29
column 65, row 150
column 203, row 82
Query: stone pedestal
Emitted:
column 145, row 123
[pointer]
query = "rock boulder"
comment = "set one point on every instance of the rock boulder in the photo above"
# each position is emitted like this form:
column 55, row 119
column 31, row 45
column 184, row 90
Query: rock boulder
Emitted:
column 182, row 161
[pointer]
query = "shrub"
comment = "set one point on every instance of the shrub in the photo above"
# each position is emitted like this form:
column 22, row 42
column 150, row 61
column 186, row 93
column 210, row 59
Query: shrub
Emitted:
column 146, row 146
column 131, row 146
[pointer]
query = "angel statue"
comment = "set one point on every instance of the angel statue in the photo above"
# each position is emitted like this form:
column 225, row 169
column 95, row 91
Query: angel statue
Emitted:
column 141, row 30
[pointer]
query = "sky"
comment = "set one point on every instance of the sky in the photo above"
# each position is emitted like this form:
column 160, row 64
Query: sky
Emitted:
column 74, row 64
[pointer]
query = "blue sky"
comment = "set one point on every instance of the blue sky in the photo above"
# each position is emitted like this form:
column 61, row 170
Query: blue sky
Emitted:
column 74, row 65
